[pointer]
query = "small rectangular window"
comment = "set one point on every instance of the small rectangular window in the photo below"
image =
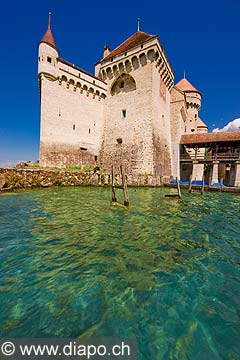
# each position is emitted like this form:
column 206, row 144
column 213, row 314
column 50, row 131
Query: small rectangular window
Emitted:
column 163, row 120
column 119, row 141
column 74, row 127
column 124, row 113
column 49, row 59
column 89, row 130
column 83, row 148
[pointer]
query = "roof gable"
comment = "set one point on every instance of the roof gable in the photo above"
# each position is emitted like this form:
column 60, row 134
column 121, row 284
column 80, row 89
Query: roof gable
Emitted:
column 135, row 40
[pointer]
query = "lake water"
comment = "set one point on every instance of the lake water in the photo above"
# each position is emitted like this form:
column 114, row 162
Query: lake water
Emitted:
column 166, row 271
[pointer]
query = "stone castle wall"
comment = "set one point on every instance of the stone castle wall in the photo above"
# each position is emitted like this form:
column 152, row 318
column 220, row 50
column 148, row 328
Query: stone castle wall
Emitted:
column 161, row 127
column 178, row 125
column 71, row 124
column 127, row 135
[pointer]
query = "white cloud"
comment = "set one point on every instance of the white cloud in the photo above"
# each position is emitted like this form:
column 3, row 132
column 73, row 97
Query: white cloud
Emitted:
column 231, row 126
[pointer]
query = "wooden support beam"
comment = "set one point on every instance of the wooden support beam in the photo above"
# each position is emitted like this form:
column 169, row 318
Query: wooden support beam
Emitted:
column 123, row 187
column 114, row 198
column 125, row 192
column 178, row 187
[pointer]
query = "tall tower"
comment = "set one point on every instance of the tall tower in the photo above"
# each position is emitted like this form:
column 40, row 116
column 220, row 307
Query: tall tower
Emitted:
column 193, row 101
column 47, row 53
column 137, row 107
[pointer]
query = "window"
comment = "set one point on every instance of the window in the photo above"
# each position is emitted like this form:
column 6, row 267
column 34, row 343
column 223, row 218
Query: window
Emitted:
column 124, row 114
column 49, row 59
column 121, row 85
column 74, row 127
column 93, row 81
column 89, row 130
column 119, row 141
column 79, row 75
column 192, row 130
column 83, row 148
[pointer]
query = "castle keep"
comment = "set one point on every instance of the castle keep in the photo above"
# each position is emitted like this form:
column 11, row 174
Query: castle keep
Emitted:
column 129, row 112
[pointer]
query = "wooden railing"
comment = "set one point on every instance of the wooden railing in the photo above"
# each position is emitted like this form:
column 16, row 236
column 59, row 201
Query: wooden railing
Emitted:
column 228, row 156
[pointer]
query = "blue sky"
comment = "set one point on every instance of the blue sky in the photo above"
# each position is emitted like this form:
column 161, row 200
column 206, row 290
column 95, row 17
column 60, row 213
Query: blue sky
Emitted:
column 201, row 37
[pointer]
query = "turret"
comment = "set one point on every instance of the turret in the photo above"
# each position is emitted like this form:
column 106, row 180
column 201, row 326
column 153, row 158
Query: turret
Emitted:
column 47, row 53
column 193, row 101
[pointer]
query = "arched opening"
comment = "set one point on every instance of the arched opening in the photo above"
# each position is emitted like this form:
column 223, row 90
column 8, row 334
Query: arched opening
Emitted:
column 143, row 59
column 135, row 63
column 127, row 65
column 151, row 55
column 124, row 83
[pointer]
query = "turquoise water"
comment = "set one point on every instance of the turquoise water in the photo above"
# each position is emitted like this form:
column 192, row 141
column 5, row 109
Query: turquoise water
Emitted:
column 165, row 272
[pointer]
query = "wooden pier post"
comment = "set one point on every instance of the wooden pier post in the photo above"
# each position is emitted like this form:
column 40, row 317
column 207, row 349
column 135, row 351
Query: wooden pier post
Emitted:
column 122, row 187
column 125, row 192
column 178, row 187
column 190, row 184
column 114, row 198
column 202, row 190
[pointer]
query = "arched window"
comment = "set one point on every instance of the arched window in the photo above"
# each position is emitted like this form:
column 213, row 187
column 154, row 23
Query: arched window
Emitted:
column 124, row 83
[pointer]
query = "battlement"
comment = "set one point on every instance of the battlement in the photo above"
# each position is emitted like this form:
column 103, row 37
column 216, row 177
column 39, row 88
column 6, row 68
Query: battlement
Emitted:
column 148, row 52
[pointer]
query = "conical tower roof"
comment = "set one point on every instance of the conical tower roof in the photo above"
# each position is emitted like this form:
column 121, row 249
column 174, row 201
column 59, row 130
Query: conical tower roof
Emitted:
column 185, row 85
column 48, row 36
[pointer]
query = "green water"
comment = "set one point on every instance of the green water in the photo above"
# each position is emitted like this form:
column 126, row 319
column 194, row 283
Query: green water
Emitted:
column 165, row 272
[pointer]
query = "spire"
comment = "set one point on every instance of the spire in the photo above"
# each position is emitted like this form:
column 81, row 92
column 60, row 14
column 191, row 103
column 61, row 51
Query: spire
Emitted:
column 48, row 36
column 49, row 20
column 138, row 20
column 184, row 74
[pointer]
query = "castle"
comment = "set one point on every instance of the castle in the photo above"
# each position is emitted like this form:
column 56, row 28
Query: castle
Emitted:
column 129, row 112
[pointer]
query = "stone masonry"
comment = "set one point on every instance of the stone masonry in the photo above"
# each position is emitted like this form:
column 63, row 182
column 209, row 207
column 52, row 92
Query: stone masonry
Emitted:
column 129, row 113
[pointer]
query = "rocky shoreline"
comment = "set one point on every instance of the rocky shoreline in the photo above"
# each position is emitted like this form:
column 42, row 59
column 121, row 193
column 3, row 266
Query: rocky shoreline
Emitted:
column 15, row 178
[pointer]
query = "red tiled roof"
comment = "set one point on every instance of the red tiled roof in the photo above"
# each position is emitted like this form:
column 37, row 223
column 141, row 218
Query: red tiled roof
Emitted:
column 221, row 136
column 136, row 39
column 48, row 38
column 185, row 85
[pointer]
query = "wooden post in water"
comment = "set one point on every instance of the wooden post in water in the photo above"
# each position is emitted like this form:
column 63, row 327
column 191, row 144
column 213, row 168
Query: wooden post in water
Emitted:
column 190, row 184
column 122, row 187
column 114, row 198
column 178, row 188
column 124, row 183
column 221, row 184
column 202, row 190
